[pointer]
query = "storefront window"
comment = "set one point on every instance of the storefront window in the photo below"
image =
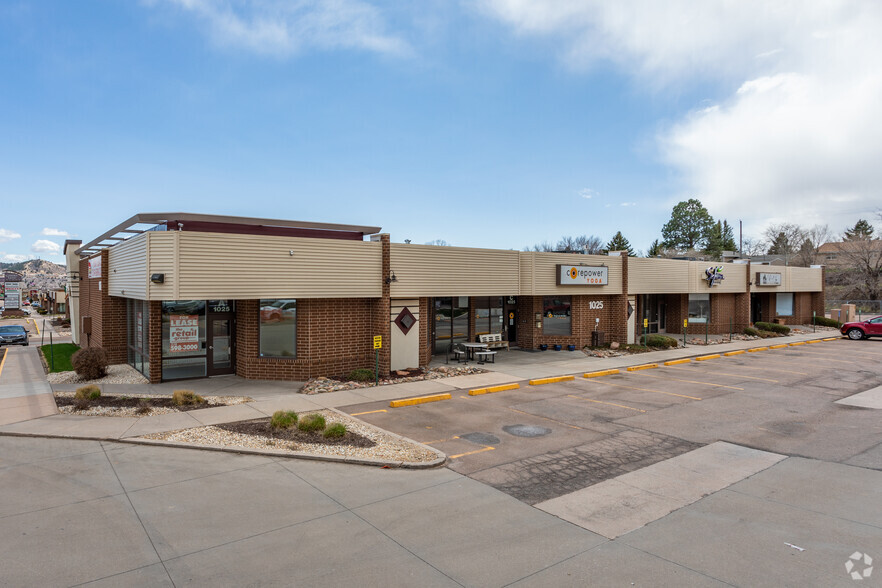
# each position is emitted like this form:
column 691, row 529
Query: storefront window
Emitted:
column 138, row 319
column 183, row 339
column 488, row 314
column 556, row 319
column 784, row 304
column 699, row 308
column 451, row 322
column 278, row 328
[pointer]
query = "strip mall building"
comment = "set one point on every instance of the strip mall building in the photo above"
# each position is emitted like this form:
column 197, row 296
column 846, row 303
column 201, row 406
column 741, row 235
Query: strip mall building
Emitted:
column 180, row 295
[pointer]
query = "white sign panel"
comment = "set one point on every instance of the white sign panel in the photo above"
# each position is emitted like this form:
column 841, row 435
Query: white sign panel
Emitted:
column 582, row 275
column 764, row 279
column 13, row 296
column 95, row 267
column 183, row 333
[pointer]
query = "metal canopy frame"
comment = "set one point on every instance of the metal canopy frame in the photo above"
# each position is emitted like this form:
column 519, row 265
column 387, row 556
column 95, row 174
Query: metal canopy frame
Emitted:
column 129, row 228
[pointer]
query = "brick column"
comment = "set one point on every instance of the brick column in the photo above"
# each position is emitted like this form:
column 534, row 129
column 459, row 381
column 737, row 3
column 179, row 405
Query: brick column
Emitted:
column 154, row 341
column 618, row 313
column 382, row 324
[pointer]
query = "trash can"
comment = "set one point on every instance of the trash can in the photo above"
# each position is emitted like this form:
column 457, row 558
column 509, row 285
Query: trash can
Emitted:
column 598, row 338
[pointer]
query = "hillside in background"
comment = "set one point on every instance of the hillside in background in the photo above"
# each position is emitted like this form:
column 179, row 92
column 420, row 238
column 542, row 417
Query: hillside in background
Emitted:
column 39, row 274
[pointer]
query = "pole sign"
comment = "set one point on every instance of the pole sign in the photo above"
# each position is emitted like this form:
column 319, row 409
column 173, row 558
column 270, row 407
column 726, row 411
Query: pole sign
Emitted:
column 13, row 296
column 378, row 342
column 582, row 275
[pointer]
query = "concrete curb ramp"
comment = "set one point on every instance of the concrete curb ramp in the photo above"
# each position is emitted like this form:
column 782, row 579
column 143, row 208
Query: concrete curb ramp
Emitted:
column 554, row 380
column 492, row 389
column 626, row 503
column 419, row 400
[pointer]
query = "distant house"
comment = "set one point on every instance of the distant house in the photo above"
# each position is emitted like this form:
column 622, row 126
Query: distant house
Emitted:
column 846, row 253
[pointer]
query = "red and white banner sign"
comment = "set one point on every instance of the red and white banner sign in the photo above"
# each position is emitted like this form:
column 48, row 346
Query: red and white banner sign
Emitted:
column 183, row 333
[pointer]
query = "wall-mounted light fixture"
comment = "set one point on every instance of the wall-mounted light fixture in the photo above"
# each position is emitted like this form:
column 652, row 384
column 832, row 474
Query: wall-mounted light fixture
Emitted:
column 392, row 277
column 157, row 278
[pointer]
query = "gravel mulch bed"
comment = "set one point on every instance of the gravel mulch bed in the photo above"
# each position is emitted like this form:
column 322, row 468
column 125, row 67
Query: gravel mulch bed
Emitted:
column 321, row 385
column 139, row 405
column 116, row 374
column 386, row 446
column 262, row 428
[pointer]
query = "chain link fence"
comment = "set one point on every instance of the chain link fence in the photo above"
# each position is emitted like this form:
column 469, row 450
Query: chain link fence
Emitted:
column 862, row 307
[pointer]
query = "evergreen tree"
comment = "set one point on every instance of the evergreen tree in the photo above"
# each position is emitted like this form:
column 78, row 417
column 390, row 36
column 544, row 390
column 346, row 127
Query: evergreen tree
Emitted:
column 861, row 230
column 719, row 238
column 655, row 249
column 619, row 243
column 689, row 226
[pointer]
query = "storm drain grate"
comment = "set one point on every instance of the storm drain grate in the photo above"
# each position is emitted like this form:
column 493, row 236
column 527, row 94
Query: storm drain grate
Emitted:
column 526, row 430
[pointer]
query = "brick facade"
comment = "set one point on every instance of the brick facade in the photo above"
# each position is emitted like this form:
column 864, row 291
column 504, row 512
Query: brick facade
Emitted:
column 107, row 313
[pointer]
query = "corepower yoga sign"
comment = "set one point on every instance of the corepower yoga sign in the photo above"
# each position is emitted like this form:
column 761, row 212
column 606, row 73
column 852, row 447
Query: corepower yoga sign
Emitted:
column 582, row 275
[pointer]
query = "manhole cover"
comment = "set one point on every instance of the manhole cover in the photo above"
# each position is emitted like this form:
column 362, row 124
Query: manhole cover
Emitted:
column 526, row 430
column 480, row 438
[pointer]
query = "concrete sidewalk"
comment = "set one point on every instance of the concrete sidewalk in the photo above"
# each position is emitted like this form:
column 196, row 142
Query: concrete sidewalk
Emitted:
column 272, row 396
column 24, row 392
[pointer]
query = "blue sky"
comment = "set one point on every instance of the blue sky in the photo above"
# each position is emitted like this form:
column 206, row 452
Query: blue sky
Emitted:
column 492, row 123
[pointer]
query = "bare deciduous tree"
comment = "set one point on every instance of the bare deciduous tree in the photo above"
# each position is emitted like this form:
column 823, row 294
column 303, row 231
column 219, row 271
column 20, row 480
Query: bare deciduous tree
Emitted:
column 813, row 239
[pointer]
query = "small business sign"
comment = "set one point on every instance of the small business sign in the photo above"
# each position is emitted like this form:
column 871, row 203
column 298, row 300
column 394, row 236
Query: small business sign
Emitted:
column 13, row 296
column 765, row 279
column 582, row 275
column 714, row 275
column 183, row 333
column 95, row 267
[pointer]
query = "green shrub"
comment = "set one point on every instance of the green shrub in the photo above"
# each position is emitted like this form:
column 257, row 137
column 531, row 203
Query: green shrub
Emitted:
column 90, row 363
column 658, row 341
column 361, row 375
column 311, row 423
column 751, row 331
column 335, row 430
column 827, row 322
column 283, row 419
column 186, row 397
column 88, row 392
column 773, row 327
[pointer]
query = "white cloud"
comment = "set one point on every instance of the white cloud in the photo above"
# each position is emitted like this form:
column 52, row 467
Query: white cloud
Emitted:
column 798, row 137
column 54, row 232
column 286, row 27
column 13, row 258
column 7, row 235
column 44, row 246
column 628, row 204
column 587, row 193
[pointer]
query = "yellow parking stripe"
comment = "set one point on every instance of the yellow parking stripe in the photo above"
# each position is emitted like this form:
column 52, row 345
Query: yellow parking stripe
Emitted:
column 438, row 441
column 471, row 452
column 691, row 381
column 716, row 373
column 368, row 412
column 536, row 416
column 3, row 361
column 825, row 356
column 645, row 389
column 609, row 403
column 757, row 358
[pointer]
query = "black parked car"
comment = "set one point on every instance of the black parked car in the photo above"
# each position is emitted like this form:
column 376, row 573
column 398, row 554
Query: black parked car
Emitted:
column 13, row 335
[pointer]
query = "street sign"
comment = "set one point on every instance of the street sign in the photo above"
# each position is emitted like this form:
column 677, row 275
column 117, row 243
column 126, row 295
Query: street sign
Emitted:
column 378, row 342
column 645, row 323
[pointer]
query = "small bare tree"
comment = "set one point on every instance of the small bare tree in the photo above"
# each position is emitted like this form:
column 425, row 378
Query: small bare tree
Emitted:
column 785, row 239
column 814, row 238
column 862, row 274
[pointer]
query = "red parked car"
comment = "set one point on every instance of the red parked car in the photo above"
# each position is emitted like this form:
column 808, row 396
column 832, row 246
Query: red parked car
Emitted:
column 863, row 329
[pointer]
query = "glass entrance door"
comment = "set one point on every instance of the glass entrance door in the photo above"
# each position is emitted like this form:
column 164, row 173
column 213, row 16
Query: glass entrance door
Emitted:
column 451, row 323
column 220, row 346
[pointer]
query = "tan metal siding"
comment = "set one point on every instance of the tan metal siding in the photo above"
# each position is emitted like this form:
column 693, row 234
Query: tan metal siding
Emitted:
column 658, row 276
column 127, row 274
column 215, row 265
column 161, row 259
column 426, row 270
column 804, row 279
column 542, row 278
column 734, row 281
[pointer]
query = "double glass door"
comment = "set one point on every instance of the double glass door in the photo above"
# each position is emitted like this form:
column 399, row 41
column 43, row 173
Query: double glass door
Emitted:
column 450, row 324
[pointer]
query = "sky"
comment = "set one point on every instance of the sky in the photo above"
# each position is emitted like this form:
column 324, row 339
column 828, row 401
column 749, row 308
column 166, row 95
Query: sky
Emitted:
column 482, row 123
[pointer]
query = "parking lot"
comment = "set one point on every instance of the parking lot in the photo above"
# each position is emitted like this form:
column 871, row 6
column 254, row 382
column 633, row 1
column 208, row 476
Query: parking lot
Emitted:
column 539, row 442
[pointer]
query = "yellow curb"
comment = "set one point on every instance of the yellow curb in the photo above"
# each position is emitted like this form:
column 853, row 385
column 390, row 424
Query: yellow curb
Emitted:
column 3, row 361
column 831, row 339
column 813, row 341
column 755, row 349
column 419, row 400
column 677, row 361
column 646, row 366
column 797, row 343
column 601, row 373
column 781, row 346
column 706, row 357
column 731, row 353
column 551, row 380
column 492, row 389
